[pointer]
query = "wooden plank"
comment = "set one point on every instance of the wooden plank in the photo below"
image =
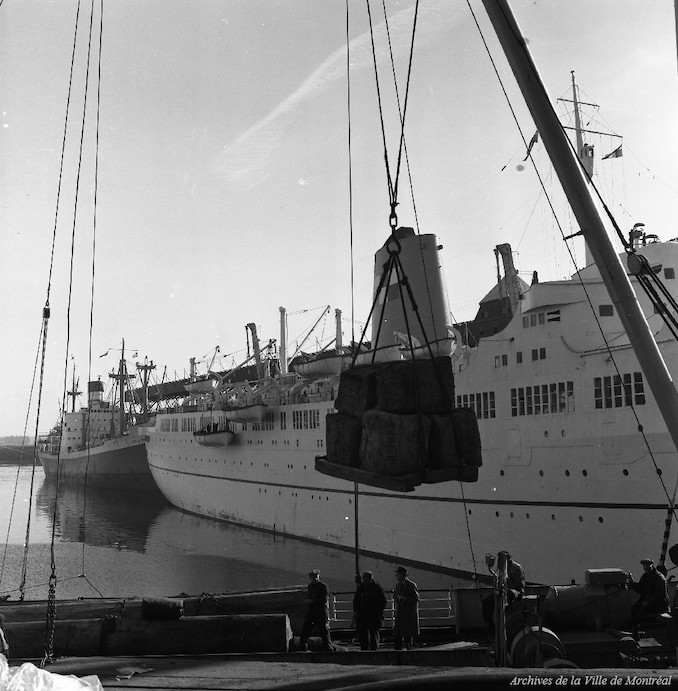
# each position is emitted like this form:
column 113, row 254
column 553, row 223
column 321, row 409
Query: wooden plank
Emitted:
column 242, row 633
column 400, row 483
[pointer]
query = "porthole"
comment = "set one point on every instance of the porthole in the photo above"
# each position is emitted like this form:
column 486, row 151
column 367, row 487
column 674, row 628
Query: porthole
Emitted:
column 581, row 519
column 567, row 473
column 625, row 472
column 541, row 473
column 553, row 517
column 501, row 472
column 511, row 514
column 600, row 519
column 527, row 515
column 496, row 513
column 584, row 473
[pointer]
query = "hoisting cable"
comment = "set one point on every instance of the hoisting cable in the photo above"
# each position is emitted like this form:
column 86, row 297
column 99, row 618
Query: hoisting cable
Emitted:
column 91, row 307
column 356, row 492
column 392, row 184
column 407, row 160
column 51, row 604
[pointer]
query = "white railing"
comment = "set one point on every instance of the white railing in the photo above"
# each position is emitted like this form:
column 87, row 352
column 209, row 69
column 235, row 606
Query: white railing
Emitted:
column 437, row 608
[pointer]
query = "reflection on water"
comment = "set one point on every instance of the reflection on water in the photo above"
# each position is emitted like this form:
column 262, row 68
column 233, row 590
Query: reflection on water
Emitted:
column 100, row 518
column 121, row 544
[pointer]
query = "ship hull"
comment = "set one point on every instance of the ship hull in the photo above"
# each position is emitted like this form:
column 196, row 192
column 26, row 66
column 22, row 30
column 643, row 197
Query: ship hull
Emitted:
column 557, row 526
column 120, row 462
column 578, row 469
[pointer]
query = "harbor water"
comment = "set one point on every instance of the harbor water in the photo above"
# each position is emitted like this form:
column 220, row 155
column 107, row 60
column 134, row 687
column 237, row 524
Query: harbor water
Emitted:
column 125, row 543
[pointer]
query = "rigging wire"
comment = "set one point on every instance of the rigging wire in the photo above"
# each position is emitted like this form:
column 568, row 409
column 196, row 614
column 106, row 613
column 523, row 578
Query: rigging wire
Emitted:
column 92, row 286
column 51, row 607
column 21, row 452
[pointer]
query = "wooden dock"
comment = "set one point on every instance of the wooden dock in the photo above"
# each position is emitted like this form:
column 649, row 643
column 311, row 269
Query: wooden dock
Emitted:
column 415, row 669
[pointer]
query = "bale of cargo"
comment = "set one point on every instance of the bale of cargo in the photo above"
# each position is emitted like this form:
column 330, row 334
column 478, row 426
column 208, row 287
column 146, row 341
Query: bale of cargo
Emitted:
column 357, row 390
column 161, row 608
column 393, row 444
column 343, row 434
column 416, row 386
column 445, row 458
column 465, row 425
column 443, row 449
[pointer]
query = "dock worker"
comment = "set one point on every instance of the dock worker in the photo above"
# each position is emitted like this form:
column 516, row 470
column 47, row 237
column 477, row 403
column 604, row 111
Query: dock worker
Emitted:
column 515, row 589
column 654, row 595
column 318, row 611
column 4, row 647
column 406, row 602
column 369, row 603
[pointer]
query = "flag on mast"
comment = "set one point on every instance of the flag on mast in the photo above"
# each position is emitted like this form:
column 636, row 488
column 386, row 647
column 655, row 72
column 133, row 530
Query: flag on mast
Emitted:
column 533, row 141
column 617, row 153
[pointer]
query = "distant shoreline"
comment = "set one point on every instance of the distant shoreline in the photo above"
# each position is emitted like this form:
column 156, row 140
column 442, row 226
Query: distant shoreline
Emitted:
column 11, row 455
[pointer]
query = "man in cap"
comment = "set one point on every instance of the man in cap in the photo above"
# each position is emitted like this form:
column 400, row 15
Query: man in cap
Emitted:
column 406, row 601
column 369, row 602
column 654, row 596
column 318, row 612
column 515, row 589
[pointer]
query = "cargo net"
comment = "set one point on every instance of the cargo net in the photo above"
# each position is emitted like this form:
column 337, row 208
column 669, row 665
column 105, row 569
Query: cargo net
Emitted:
column 395, row 425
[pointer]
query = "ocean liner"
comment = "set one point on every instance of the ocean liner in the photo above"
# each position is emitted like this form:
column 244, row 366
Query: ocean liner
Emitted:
column 577, row 472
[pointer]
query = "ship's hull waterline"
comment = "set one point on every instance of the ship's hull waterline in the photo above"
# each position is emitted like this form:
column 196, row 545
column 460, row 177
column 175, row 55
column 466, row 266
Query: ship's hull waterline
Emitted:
column 120, row 462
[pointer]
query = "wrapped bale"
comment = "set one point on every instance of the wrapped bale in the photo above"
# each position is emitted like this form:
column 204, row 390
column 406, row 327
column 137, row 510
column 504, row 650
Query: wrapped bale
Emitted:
column 393, row 445
column 468, row 436
column 443, row 449
column 410, row 386
column 343, row 435
column 357, row 390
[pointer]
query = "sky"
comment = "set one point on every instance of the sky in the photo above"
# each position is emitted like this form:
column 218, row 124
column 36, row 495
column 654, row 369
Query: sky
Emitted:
column 220, row 166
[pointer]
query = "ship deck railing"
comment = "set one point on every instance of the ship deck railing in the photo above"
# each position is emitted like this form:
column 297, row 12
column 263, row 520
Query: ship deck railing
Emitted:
column 437, row 609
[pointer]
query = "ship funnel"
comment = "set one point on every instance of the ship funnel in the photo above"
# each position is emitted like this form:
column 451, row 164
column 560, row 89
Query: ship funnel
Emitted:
column 95, row 391
column 420, row 259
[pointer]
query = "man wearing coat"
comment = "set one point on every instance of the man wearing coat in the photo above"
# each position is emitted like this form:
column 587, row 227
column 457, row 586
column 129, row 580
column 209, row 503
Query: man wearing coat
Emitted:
column 369, row 602
column 406, row 601
column 318, row 612
column 654, row 596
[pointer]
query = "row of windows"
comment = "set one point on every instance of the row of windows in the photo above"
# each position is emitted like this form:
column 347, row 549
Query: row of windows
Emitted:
column 305, row 419
column 482, row 403
column 619, row 390
column 537, row 354
column 609, row 392
column 539, row 318
column 543, row 399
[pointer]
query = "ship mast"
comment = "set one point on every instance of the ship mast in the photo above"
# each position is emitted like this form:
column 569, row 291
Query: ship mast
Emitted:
column 584, row 152
column 576, row 189
column 73, row 393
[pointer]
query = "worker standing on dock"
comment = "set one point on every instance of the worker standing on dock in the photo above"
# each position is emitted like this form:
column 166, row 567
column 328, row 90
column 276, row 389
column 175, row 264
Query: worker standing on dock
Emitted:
column 318, row 612
column 515, row 589
column 406, row 601
column 654, row 596
column 369, row 603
